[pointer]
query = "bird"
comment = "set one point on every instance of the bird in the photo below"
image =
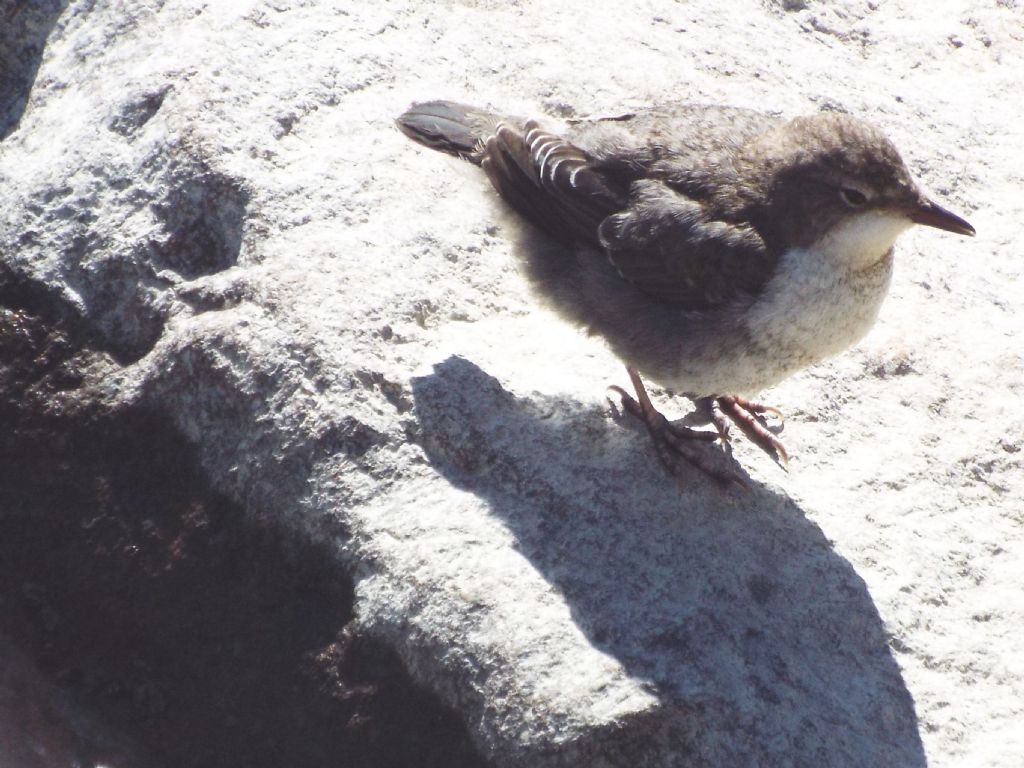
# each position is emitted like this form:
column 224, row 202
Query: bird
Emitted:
column 717, row 250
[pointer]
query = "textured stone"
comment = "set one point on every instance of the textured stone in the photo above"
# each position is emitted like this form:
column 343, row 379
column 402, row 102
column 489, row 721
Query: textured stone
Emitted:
column 215, row 194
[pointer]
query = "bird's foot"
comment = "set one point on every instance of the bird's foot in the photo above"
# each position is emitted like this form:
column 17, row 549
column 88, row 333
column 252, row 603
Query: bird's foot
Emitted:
column 673, row 440
column 749, row 417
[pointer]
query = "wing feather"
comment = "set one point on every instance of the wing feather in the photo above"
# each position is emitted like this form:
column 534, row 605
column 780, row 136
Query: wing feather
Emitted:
column 656, row 237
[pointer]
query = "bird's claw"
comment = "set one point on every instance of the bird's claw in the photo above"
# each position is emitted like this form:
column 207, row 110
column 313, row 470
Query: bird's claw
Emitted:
column 759, row 409
column 747, row 416
column 626, row 402
column 672, row 440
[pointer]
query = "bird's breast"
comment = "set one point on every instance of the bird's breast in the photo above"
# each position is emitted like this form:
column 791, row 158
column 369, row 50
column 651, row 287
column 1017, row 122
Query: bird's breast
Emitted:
column 809, row 310
column 805, row 313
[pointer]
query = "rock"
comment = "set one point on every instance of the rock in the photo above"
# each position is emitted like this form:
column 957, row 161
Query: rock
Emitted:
column 41, row 728
column 213, row 198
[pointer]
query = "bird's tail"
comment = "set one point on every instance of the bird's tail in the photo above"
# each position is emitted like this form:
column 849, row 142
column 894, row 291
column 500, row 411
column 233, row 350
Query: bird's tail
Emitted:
column 446, row 126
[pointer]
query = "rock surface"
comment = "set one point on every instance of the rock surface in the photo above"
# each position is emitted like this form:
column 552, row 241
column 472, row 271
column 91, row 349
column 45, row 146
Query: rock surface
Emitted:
column 214, row 194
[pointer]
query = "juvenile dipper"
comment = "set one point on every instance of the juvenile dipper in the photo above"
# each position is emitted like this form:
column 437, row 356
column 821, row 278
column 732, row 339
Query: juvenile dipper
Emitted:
column 717, row 250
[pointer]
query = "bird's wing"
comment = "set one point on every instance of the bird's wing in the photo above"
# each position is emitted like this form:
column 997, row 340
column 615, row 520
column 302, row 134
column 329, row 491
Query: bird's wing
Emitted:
column 550, row 181
column 667, row 245
column 656, row 237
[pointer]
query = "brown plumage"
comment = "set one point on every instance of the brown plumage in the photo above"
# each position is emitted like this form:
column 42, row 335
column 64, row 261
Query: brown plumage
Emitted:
column 717, row 250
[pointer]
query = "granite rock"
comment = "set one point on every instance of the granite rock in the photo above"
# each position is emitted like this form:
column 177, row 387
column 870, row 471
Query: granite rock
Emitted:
column 216, row 194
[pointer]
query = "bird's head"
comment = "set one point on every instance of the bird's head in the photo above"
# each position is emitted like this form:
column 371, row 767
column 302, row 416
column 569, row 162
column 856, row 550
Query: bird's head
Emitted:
column 838, row 184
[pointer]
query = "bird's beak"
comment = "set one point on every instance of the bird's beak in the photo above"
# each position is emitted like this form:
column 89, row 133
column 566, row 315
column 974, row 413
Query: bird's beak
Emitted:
column 931, row 214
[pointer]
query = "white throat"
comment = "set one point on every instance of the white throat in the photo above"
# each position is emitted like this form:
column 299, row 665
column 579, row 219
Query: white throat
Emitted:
column 860, row 242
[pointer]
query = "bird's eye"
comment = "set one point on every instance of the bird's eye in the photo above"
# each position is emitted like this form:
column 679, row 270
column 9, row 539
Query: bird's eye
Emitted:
column 852, row 197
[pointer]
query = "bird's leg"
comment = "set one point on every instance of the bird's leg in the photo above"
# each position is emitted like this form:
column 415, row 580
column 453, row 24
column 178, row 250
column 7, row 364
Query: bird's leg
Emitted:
column 744, row 413
column 672, row 440
column 718, row 419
